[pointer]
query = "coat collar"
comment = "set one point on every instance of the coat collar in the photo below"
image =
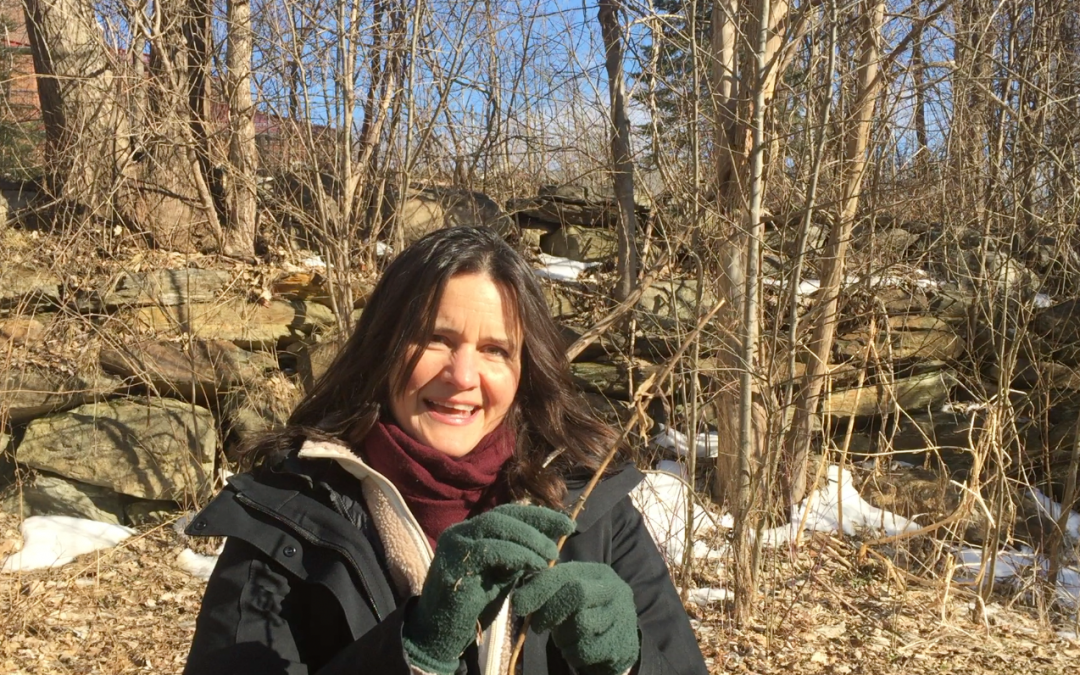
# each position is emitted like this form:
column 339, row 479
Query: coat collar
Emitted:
column 608, row 492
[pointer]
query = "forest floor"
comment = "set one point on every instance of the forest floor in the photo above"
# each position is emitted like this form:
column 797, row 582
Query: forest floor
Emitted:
column 824, row 609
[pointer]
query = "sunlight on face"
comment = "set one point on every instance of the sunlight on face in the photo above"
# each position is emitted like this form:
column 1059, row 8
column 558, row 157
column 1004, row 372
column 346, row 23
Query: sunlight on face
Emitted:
column 468, row 374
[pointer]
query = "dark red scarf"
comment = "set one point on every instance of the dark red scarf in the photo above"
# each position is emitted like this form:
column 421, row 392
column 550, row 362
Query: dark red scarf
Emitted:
column 440, row 490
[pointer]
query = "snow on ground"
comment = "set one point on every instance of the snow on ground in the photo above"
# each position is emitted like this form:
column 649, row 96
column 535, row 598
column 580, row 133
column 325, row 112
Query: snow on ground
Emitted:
column 1053, row 511
column 708, row 443
column 1042, row 301
column 197, row 565
column 821, row 512
column 1016, row 565
column 314, row 261
column 52, row 541
column 561, row 269
column 661, row 498
column 703, row 597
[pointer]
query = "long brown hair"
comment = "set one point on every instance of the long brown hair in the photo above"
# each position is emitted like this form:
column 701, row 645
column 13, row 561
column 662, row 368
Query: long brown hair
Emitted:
column 557, row 434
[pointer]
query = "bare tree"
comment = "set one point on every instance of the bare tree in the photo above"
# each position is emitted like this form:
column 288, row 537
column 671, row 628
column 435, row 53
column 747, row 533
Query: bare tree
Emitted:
column 241, row 215
column 621, row 157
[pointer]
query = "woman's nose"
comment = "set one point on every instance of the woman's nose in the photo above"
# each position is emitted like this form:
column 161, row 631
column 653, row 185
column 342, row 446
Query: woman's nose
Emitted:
column 461, row 371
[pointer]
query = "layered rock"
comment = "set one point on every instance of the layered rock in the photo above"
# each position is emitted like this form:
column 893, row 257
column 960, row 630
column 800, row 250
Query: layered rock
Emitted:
column 150, row 449
column 248, row 325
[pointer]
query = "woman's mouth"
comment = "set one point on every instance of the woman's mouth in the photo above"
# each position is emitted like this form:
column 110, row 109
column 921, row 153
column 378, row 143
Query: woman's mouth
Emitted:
column 459, row 412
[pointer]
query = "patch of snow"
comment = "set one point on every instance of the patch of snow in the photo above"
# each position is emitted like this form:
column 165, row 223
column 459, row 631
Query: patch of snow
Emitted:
column 1016, row 564
column 1007, row 564
column 703, row 597
column 200, row 566
column 561, row 269
column 1053, row 511
column 708, row 443
column 661, row 499
column 1042, row 301
column 806, row 286
column 314, row 261
column 52, row 541
column 382, row 249
column 820, row 512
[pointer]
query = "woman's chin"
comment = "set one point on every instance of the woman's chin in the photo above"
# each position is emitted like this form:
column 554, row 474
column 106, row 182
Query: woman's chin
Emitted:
column 455, row 440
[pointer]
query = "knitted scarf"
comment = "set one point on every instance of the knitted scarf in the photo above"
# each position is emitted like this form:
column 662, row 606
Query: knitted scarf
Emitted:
column 440, row 490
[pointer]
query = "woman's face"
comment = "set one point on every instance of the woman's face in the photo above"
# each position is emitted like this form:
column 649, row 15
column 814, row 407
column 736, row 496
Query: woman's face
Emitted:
column 468, row 374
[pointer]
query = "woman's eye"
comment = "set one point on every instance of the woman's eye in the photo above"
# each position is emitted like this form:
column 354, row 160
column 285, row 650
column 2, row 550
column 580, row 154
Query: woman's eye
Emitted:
column 495, row 350
column 440, row 340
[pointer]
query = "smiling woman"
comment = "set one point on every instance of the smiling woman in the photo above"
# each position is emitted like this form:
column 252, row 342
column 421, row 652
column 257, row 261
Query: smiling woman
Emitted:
column 416, row 495
column 465, row 381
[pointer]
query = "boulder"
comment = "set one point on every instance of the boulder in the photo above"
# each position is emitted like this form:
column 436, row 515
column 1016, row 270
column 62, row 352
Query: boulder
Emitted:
column 560, row 300
column 998, row 268
column 20, row 331
column 551, row 211
column 946, row 433
column 250, row 326
column 314, row 359
column 671, row 302
column 615, row 413
column 912, row 336
column 151, row 449
column 29, row 391
column 425, row 210
column 1058, row 325
column 7, row 455
column 160, row 288
column 205, row 370
column 1032, row 375
column 57, row 496
column 910, row 393
column 25, row 286
column 150, row 511
column 582, row 244
column 245, row 423
column 609, row 379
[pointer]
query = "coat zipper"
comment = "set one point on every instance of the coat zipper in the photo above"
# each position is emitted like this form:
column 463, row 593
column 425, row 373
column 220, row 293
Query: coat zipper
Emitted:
column 311, row 538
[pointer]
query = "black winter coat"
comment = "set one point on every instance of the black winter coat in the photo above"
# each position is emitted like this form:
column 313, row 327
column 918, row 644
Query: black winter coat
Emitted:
column 302, row 585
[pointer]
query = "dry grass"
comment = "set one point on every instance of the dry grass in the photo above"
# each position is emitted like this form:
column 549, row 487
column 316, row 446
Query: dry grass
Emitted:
column 129, row 610
column 125, row 610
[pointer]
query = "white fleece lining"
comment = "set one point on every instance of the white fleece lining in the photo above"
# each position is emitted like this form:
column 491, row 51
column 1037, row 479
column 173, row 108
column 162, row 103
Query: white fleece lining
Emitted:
column 408, row 551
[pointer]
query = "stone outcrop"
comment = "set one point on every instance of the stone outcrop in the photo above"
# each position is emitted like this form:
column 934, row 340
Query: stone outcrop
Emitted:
column 151, row 449
column 908, row 393
column 29, row 391
column 24, row 286
column 53, row 495
column 159, row 288
column 248, row 325
column 205, row 370
column 581, row 244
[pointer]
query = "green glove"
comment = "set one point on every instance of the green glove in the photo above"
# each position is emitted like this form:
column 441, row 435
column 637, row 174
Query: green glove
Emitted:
column 590, row 612
column 476, row 564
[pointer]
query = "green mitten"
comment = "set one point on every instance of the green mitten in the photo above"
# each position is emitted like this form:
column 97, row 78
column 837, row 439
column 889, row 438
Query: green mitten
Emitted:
column 476, row 564
column 590, row 612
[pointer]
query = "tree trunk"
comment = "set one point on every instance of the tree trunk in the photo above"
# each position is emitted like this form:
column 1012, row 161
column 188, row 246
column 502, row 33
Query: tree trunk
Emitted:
column 832, row 263
column 85, row 127
column 243, row 158
column 620, row 148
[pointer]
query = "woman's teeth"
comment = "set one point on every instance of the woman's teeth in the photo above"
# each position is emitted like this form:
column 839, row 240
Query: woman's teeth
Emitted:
column 452, row 408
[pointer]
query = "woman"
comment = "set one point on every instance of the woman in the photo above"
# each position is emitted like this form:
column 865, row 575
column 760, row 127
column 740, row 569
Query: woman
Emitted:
column 404, row 519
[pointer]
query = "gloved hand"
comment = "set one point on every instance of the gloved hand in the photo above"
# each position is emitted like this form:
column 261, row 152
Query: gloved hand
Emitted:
column 476, row 564
column 590, row 612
